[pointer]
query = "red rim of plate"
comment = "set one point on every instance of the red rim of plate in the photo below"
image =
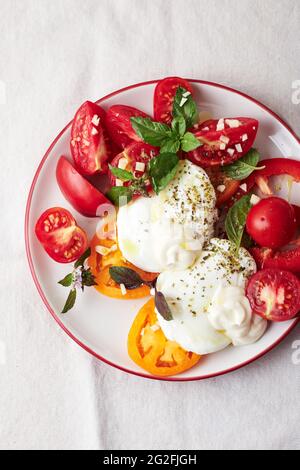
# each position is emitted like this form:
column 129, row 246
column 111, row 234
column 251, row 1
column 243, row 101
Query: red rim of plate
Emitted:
column 40, row 290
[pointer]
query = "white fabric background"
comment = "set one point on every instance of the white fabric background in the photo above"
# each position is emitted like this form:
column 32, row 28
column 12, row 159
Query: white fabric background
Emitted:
column 54, row 55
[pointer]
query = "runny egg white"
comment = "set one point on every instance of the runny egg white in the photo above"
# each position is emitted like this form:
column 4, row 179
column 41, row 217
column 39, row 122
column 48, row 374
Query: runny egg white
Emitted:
column 208, row 303
column 168, row 231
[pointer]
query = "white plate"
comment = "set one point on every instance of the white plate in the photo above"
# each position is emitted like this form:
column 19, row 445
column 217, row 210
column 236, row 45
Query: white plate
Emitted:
column 100, row 324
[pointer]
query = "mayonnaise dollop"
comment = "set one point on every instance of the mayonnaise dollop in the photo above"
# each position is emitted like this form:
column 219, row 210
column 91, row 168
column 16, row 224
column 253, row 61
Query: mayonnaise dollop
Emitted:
column 230, row 311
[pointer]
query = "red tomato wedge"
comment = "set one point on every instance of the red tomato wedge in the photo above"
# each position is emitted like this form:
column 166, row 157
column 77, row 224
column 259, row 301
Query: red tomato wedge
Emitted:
column 225, row 187
column 134, row 158
column 119, row 126
column 274, row 294
column 80, row 193
column 61, row 238
column 164, row 95
column 224, row 141
column 89, row 144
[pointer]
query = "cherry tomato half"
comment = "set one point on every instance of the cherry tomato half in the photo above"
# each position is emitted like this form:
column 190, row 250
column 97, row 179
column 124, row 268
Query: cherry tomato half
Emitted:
column 119, row 126
column 134, row 158
column 225, row 187
column 164, row 95
column 61, row 238
column 80, row 193
column 150, row 349
column 89, row 142
column 274, row 294
column 271, row 222
column 221, row 147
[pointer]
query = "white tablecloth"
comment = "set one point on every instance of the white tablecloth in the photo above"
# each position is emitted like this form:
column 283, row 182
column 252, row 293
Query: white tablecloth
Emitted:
column 54, row 55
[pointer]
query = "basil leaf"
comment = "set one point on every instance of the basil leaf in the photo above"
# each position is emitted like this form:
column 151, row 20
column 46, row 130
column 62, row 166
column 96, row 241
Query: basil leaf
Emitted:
column 153, row 133
column 123, row 175
column 179, row 126
column 243, row 167
column 171, row 145
column 70, row 301
column 67, row 280
column 120, row 195
column 236, row 220
column 162, row 306
column 83, row 257
column 185, row 106
column 88, row 278
column 162, row 170
column 189, row 142
column 130, row 278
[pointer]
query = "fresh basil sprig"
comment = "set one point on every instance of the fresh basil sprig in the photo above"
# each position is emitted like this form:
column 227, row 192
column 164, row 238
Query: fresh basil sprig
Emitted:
column 236, row 220
column 79, row 278
column 176, row 137
column 242, row 168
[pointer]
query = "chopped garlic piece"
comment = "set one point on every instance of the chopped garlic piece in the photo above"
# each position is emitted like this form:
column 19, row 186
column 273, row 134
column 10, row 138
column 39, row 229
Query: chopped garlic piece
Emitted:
column 94, row 131
column 254, row 199
column 140, row 166
column 186, row 94
column 221, row 188
column 243, row 187
column 123, row 289
column 233, row 123
column 224, row 139
column 222, row 146
column 95, row 120
column 119, row 182
column 123, row 162
column 155, row 327
column 239, row 148
column 231, row 152
column 182, row 102
column 221, row 125
column 244, row 137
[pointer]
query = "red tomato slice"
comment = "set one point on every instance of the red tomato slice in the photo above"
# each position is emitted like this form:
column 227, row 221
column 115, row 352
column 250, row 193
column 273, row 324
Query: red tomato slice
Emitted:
column 221, row 147
column 274, row 294
column 119, row 126
column 61, row 238
column 80, row 193
column 273, row 167
column 135, row 153
column 89, row 143
column 164, row 95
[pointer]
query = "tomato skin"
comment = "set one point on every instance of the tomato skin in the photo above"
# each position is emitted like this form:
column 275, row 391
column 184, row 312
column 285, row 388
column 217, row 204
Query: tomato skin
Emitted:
column 210, row 153
column 274, row 294
column 135, row 152
column 271, row 222
column 78, row 191
column 152, row 351
column 164, row 95
column 219, row 178
column 59, row 235
column 100, row 265
column 287, row 259
column 89, row 144
column 119, row 126
column 275, row 167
